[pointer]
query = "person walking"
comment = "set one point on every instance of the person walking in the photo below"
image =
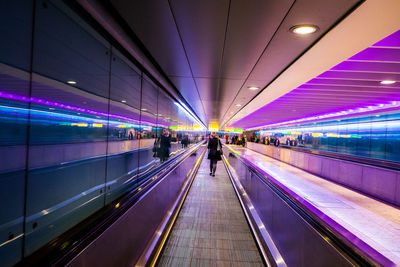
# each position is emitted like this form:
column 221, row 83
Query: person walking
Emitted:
column 165, row 145
column 214, row 152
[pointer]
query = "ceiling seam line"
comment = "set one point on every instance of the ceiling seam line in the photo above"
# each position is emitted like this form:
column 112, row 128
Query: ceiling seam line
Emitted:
column 187, row 58
column 222, row 56
column 259, row 58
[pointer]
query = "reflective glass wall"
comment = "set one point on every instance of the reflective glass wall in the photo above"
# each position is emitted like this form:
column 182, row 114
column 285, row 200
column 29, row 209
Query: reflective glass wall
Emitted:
column 374, row 136
column 78, row 121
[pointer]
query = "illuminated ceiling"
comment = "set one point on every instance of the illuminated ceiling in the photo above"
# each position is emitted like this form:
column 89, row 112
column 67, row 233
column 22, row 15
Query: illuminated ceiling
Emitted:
column 350, row 85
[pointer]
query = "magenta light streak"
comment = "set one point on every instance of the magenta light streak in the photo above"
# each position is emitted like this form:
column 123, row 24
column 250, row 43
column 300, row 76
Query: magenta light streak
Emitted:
column 69, row 107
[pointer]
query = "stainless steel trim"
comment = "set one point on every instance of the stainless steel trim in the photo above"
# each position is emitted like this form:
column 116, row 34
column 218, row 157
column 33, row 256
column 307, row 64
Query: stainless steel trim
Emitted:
column 255, row 221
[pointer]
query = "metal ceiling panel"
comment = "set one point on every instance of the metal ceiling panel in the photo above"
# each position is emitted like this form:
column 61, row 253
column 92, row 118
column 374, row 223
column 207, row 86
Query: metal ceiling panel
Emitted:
column 287, row 46
column 251, row 26
column 186, row 86
column 208, row 87
column 152, row 22
column 202, row 28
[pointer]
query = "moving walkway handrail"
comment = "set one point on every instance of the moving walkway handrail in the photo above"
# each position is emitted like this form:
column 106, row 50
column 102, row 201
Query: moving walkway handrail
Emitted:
column 348, row 249
column 153, row 251
column 62, row 249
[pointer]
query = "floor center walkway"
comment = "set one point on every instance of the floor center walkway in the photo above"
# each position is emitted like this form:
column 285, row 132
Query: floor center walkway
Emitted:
column 211, row 229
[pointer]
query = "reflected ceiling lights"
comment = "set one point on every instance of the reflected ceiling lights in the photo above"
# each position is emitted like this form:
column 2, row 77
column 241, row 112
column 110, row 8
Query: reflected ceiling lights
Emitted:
column 253, row 88
column 304, row 29
column 388, row 82
column 71, row 82
column 59, row 105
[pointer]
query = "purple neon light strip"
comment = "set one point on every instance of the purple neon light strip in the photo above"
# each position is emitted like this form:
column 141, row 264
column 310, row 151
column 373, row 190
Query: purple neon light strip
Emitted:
column 70, row 107
column 347, row 113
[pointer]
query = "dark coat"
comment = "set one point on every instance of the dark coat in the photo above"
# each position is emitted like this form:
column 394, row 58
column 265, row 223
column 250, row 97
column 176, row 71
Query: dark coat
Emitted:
column 214, row 145
column 165, row 144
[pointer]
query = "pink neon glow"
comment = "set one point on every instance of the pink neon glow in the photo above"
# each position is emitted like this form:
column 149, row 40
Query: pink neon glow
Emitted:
column 69, row 107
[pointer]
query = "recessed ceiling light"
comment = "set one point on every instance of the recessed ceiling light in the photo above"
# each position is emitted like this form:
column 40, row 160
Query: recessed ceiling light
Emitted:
column 304, row 29
column 238, row 105
column 123, row 101
column 144, row 109
column 71, row 82
column 253, row 88
column 388, row 82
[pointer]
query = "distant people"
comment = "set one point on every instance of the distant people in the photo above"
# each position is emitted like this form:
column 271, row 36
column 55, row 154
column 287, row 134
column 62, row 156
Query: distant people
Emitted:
column 130, row 135
column 277, row 141
column 185, row 141
column 165, row 145
column 214, row 152
column 226, row 139
column 239, row 140
column 234, row 140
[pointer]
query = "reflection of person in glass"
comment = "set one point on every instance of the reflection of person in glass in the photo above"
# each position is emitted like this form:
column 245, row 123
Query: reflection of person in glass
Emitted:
column 185, row 141
column 165, row 145
column 131, row 134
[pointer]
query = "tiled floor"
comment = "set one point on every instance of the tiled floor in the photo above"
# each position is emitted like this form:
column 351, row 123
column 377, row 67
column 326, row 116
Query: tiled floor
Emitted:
column 211, row 229
column 372, row 221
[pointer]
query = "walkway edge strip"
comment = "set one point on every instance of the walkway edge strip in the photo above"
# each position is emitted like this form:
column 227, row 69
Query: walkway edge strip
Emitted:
column 255, row 222
column 153, row 251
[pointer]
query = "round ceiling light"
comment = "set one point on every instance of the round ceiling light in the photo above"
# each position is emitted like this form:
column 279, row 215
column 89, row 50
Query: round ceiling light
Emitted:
column 304, row 29
column 253, row 88
column 388, row 82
